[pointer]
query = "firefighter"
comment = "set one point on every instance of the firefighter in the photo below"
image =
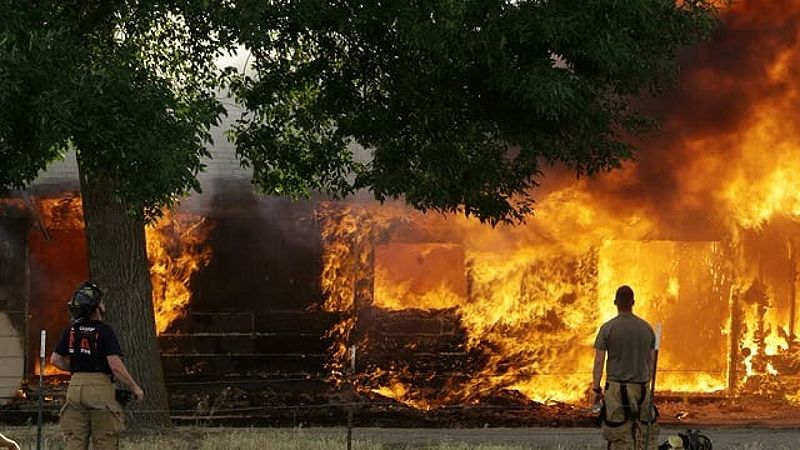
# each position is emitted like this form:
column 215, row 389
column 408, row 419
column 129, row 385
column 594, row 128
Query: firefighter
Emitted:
column 628, row 342
column 90, row 351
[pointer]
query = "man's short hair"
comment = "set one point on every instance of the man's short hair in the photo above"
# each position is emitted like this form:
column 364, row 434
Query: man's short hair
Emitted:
column 624, row 297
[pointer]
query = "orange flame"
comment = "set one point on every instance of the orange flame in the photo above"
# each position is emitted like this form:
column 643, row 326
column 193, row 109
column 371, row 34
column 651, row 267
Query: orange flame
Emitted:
column 176, row 249
column 60, row 212
column 49, row 369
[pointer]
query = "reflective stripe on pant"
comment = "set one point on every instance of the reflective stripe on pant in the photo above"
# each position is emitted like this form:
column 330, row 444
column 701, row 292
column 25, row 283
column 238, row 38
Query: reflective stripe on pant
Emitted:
column 91, row 411
column 621, row 430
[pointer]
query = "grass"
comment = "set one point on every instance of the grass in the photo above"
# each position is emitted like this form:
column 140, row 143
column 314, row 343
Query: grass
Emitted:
column 197, row 438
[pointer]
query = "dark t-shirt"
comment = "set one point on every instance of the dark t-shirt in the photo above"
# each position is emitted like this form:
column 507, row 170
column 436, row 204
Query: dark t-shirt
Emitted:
column 628, row 341
column 87, row 344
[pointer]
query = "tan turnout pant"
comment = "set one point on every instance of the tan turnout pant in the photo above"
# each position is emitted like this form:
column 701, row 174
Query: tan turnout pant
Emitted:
column 91, row 411
column 629, row 432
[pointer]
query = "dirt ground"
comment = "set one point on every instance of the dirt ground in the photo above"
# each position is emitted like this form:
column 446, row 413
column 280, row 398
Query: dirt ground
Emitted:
column 588, row 438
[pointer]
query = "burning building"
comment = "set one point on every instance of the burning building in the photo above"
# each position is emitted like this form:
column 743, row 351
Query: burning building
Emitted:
column 444, row 310
column 703, row 225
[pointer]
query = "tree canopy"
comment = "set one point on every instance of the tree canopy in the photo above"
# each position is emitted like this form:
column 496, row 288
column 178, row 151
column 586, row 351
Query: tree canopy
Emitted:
column 460, row 103
column 131, row 86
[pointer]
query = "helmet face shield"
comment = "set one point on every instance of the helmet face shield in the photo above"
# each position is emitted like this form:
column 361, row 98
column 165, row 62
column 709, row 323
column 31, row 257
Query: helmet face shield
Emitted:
column 84, row 301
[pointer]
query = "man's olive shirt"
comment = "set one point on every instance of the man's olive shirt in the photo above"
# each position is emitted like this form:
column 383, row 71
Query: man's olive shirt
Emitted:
column 628, row 340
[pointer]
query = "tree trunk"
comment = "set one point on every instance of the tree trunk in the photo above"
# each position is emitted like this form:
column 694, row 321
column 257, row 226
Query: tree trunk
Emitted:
column 118, row 264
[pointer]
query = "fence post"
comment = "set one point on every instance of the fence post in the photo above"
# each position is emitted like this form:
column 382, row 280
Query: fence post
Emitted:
column 42, row 343
column 352, row 397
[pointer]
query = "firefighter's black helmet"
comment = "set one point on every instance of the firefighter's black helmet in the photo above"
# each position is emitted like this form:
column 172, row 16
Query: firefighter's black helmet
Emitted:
column 84, row 301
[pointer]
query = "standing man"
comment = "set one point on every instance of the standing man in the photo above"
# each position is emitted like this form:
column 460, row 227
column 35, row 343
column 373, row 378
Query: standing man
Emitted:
column 629, row 342
column 90, row 351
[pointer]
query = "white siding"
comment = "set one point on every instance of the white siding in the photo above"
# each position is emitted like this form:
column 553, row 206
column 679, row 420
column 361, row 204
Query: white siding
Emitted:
column 12, row 359
column 223, row 165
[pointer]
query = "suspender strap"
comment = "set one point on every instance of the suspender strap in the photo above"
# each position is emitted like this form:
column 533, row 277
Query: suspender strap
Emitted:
column 655, row 412
column 643, row 390
column 74, row 347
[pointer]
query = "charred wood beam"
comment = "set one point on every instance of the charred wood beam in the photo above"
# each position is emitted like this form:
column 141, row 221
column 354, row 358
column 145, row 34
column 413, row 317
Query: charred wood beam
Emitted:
column 233, row 363
column 219, row 343
column 298, row 321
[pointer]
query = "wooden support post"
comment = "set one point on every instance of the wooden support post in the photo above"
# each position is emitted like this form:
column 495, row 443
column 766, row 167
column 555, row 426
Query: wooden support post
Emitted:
column 792, row 290
column 735, row 314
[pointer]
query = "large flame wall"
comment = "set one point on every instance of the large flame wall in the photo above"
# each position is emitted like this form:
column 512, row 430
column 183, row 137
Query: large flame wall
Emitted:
column 703, row 226
column 531, row 300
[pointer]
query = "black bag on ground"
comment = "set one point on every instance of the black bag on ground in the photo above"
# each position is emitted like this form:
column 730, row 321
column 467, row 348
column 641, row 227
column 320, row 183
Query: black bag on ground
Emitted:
column 691, row 440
